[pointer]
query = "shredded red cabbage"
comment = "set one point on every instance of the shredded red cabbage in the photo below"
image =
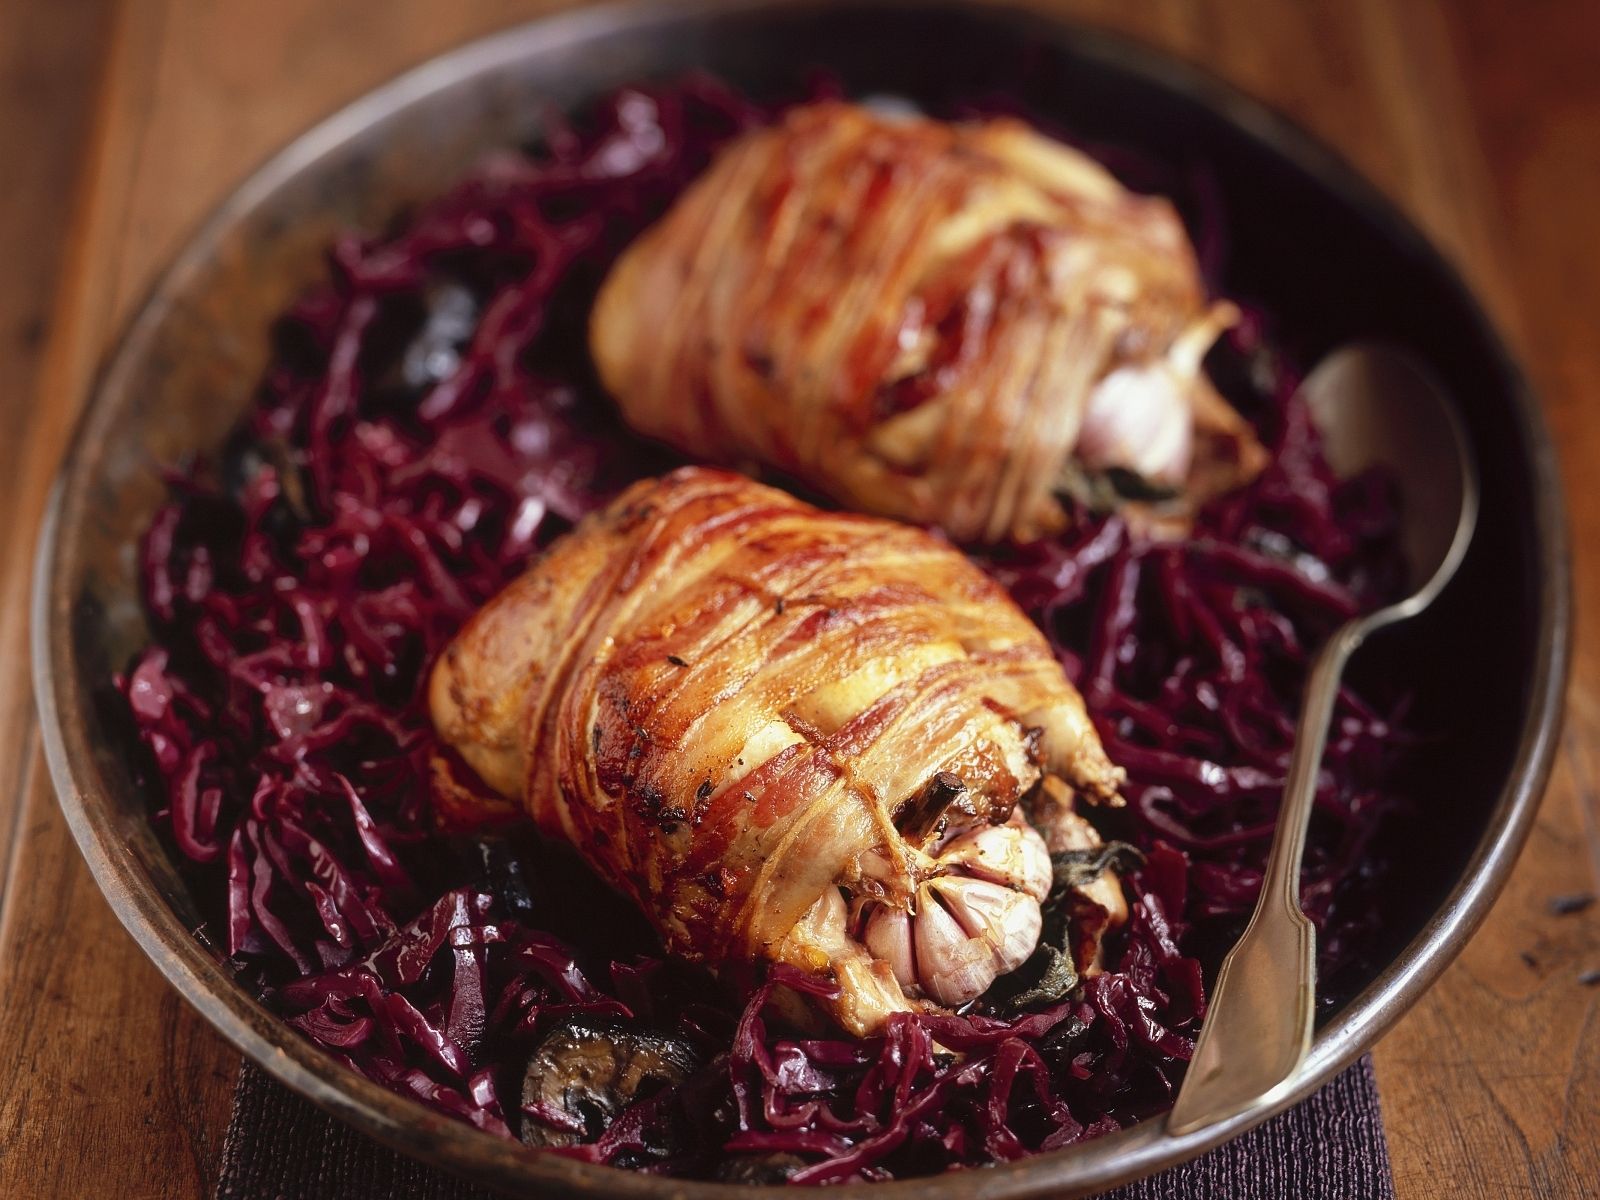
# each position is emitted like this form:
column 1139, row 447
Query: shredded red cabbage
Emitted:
column 429, row 419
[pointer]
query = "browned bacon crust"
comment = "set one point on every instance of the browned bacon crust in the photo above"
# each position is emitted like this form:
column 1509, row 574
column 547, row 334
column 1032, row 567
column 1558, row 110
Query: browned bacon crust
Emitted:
column 724, row 699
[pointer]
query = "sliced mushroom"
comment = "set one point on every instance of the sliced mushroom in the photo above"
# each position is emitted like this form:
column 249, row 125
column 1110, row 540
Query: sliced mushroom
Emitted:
column 586, row 1071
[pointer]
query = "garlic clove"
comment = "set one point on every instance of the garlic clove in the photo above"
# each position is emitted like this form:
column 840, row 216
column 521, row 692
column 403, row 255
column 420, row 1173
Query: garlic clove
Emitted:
column 820, row 942
column 1139, row 419
column 1007, row 922
column 888, row 939
column 952, row 967
column 1013, row 854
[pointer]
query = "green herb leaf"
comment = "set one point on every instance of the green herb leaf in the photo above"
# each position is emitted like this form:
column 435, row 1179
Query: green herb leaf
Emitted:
column 1051, row 973
column 1058, row 978
column 1077, row 869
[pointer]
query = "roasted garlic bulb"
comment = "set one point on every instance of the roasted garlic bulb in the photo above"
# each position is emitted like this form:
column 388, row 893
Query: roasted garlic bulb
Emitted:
column 974, row 919
column 787, row 735
column 950, row 324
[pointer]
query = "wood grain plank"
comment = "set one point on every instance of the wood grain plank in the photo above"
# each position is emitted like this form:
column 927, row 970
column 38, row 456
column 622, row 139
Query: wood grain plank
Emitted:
column 1491, row 1086
column 114, row 1086
column 1482, row 124
column 50, row 57
column 111, row 1085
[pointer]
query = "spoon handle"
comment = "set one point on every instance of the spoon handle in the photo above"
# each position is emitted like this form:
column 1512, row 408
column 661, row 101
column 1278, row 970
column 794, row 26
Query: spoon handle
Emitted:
column 1258, row 1025
column 1280, row 885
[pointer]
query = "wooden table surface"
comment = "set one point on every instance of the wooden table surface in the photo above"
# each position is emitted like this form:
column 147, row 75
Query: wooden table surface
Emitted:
column 122, row 123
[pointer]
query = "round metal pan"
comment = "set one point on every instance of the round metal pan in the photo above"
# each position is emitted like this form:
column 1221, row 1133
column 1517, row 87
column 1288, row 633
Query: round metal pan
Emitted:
column 1310, row 242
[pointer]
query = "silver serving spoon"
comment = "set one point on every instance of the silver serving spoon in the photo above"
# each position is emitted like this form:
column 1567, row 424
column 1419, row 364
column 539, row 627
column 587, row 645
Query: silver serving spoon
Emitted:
column 1375, row 406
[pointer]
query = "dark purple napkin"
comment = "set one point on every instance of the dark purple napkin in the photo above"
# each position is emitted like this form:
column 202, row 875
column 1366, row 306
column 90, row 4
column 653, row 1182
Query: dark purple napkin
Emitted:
column 1330, row 1148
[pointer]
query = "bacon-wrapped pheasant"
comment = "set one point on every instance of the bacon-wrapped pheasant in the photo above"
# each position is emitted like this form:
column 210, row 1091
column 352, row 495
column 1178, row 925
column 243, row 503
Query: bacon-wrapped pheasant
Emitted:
column 787, row 735
column 949, row 324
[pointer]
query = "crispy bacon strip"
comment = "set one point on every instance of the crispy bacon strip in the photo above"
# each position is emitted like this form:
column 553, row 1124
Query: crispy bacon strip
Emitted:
column 943, row 323
column 730, row 702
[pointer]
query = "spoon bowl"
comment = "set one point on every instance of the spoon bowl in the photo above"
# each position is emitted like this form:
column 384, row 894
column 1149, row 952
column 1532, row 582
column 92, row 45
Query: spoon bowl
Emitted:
column 1377, row 408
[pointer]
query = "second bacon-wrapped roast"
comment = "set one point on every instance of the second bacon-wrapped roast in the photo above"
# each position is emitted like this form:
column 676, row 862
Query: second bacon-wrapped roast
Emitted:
column 788, row 735
column 952, row 324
